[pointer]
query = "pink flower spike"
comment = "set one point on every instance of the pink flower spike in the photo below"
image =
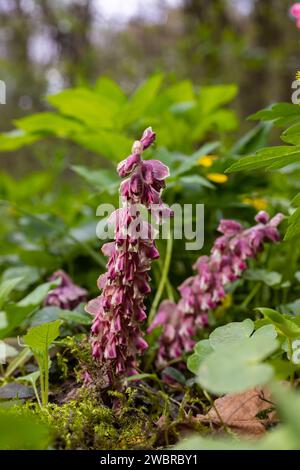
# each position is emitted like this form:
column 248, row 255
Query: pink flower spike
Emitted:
column 205, row 291
column 116, row 336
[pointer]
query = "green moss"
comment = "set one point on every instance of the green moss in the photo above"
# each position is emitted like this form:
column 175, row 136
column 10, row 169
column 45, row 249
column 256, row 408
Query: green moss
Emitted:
column 84, row 423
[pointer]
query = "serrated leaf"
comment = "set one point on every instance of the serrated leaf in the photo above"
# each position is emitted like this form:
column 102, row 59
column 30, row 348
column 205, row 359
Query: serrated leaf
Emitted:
column 269, row 158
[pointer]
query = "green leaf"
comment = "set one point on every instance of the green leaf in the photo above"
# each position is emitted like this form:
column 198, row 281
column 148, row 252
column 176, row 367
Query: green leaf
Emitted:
column 281, row 113
column 6, row 287
column 39, row 338
column 96, row 111
column 48, row 314
column 194, row 180
column 29, row 378
column 141, row 100
column 24, row 355
column 15, row 315
column 236, row 367
column 21, row 430
column 16, row 139
column 110, row 145
column 175, row 374
column 143, row 376
column 102, row 180
column 213, row 96
column 49, row 123
column 110, row 89
column 202, row 350
column 292, row 134
column 270, row 278
column 296, row 200
column 38, row 294
column 284, row 324
column 253, row 140
column 270, row 158
column 266, row 331
column 190, row 162
column 28, row 274
column 231, row 333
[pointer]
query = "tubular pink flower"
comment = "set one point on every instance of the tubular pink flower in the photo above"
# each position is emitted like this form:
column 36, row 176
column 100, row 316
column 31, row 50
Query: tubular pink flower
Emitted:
column 205, row 290
column 67, row 295
column 116, row 336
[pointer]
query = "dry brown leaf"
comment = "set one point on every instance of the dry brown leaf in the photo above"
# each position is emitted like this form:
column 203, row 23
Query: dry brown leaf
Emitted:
column 239, row 412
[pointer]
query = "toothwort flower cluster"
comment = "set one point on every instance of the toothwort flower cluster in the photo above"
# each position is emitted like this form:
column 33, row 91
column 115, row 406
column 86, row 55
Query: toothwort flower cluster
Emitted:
column 67, row 295
column 116, row 336
column 204, row 291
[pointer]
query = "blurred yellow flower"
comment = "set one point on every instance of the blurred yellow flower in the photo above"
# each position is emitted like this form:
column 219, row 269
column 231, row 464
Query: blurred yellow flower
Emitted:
column 298, row 75
column 217, row 177
column 258, row 203
column 225, row 304
column 207, row 160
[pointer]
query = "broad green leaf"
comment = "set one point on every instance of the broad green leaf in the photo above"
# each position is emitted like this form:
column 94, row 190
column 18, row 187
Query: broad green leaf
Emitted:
column 49, row 314
column 102, row 180
column 29, row 275
column 110, row 145
column 96, row 111
column 6, row 287
column 29, row 378
column 141, row 99
column 212, row 97
column 110, row 89
column 201, row 351
column 39, row 338
column 285, row 325
column 15, row 315
column 231, row 333
column 281, row 113
column 38, row 294
column 277, row 439
column 21, row 430
column 296, row 200
column 266, row 331
column 238, row 366
column 16, row 139
column 292, row 134
column 288, row 401
column 269, row 158
column 49, row 123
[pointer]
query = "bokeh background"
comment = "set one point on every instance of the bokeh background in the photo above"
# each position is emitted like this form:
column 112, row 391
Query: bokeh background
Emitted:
column 48, row 45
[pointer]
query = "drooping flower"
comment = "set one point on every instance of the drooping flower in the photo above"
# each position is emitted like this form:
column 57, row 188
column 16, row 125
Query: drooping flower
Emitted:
column 116, row 337
column 205, row 290
column 67, row 295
